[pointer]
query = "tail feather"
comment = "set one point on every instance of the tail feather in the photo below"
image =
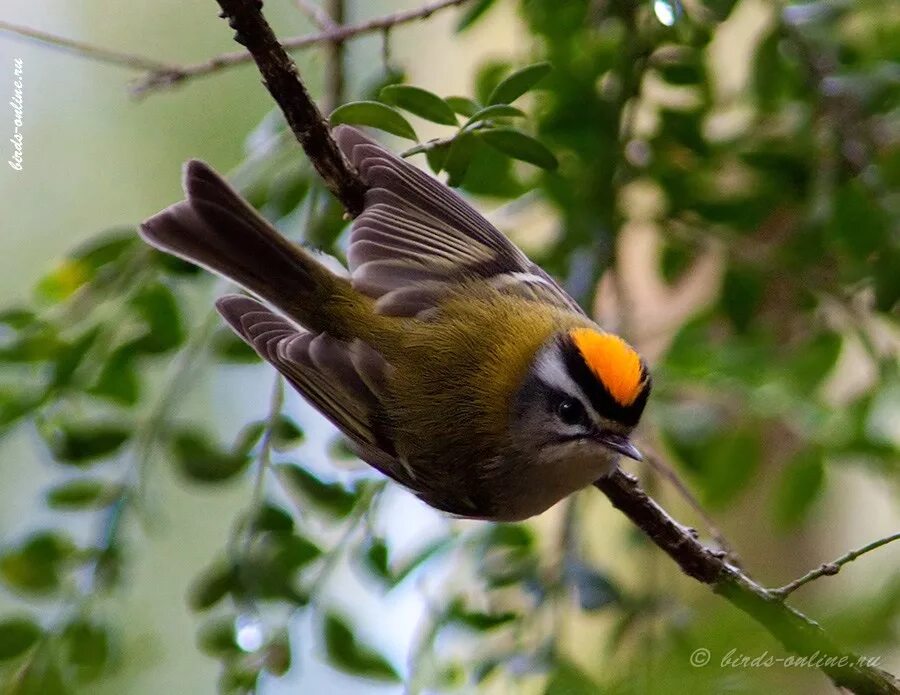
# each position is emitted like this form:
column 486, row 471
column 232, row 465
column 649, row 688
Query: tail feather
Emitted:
column 216, row 229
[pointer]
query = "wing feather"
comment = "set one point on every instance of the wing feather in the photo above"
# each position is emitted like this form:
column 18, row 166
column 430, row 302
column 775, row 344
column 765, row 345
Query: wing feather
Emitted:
column 344, row 381
column 416, row 240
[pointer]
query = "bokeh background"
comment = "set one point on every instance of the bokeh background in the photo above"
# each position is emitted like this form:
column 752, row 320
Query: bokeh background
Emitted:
column 726, row 197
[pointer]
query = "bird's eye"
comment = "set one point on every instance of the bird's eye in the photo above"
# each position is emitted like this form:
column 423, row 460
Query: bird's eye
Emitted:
column 570, row 411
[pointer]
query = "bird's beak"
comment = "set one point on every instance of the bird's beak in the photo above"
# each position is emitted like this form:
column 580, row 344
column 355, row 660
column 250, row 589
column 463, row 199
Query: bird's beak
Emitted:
column 620, row 444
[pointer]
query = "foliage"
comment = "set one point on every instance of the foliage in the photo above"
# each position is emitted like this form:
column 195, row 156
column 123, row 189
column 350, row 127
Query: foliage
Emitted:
column 793, row 198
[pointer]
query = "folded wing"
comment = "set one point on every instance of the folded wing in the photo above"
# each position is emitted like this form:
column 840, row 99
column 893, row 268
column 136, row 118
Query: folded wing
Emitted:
column 417, row 239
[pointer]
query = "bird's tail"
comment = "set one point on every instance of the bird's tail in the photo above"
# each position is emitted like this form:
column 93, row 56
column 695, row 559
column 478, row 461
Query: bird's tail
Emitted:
column 215, row 228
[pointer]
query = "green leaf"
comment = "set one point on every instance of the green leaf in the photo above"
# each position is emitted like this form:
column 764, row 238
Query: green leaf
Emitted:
column 86, row 648
column 15, row 405
column 270, row 518
column 216, row 637
column 17, row 635
column 374, row 114
column 495, row 111
column 437, row 156
column 731, row 462
column 66, row 278
column 346, row 654
column 118, row 379
column 473, row 14
column 157, row 306
column 815, row 361
column 212, row 586
column 172, row 265
column 17, row 318
column 226, row 346
column 270, row 567
column 506, row 555
column 82, row 443
column 419, row 101
column 517, row 536
column 464, row 106
column 200, row 459
column 278, row 655
column 376, row 557
column 685, row 68
column 286, row 434
column 37, row 342
column 569, row 679
column 43, row 675
column 742, row 291
column 800, row 485
column 720, row 8
column 490, row 173
column 487, row 78
column 518, row 83
column 71, row 357
column 887, row 279
column 477, row 620
column 459, row 156
column 520, row 146
column 247, row 438
column 421, row 557
column 595, row 590
column 332, row 498
column 858, row 222
column 36, row 565
column 107, row 247
column 340, row 450
column 83, row 493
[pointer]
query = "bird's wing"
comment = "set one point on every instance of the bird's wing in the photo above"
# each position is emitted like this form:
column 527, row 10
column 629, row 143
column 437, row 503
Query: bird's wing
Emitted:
column 344, row 381
column 416, row 239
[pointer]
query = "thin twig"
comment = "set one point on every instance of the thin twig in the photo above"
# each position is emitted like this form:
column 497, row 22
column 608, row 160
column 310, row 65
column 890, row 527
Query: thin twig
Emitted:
column 317, row 14
column 334, row 60
column 161, row 74
column 168, row 77
column 281, row 78
column 103, row 55
column 665, row 470
column 264, row 459
column 798, row 633
column 148, row 432
column 831, row 568
column 369, row 492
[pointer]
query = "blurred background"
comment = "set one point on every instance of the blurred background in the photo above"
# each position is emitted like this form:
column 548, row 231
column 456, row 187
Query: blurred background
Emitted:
column 716, row 180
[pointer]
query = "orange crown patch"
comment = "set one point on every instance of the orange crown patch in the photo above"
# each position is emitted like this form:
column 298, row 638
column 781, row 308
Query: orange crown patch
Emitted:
column 613, row 361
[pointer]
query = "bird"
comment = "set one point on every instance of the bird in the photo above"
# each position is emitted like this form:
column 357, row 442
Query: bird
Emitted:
column 451, row 362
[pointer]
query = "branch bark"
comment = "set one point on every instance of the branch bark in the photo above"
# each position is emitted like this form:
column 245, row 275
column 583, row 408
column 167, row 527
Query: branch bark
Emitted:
column 798, row 633
column 304, row 118
column 831, row 568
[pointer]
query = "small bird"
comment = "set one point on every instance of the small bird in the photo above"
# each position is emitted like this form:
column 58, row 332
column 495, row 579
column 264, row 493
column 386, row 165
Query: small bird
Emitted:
column 453, row 364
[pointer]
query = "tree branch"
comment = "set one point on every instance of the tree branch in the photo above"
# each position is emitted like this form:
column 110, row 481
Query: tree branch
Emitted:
column 160, row 75
column 798, row 633
column 304, row 118
column 169, row 76
column 317, row 14
column 794, row 630
column 103, row 55
column 831, row 568
column 334, row 63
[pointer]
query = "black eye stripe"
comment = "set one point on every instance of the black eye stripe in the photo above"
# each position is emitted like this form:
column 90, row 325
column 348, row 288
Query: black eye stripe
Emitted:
column 600, row 398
